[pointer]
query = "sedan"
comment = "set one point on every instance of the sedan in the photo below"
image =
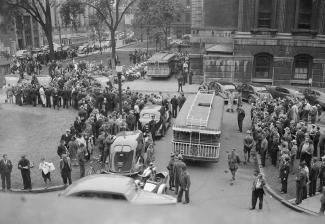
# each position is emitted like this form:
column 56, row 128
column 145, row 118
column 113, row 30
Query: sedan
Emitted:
column 252, row 91
column 284, row 92
column 314, row 97
column 224, row 89
column 115, row 187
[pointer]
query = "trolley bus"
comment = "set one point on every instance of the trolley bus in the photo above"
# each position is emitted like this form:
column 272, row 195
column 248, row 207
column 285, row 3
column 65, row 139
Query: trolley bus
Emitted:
column 161, row 65
column 197, row 129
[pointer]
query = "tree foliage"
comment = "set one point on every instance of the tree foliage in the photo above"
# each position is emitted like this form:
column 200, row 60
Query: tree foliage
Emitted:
column 70, row 10
column 158, row 14
column 111, row 12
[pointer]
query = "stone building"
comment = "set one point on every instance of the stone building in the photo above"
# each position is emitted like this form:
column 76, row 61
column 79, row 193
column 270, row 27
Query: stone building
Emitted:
column 182, row 26
column 278, row 42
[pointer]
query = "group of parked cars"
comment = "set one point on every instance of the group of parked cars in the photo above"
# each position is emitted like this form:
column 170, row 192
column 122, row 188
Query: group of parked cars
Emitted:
column 250, row 92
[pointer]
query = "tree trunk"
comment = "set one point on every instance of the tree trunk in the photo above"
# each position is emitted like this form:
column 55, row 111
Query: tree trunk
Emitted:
column 113, row 46
column 48, row 29
column 100, row 43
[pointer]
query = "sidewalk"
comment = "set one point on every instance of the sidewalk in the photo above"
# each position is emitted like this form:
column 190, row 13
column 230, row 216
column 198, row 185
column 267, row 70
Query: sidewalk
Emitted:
column 311, row 204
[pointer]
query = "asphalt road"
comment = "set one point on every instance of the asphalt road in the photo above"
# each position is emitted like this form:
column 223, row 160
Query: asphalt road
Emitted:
column 211, row 183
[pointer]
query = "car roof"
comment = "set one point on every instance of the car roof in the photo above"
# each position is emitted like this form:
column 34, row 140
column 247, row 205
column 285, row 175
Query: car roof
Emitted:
column 101, row 183
column 223, row 82
column 127, row 138
column 151, row 109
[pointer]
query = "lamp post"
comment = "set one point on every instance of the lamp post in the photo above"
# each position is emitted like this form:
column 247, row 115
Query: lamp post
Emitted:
column 119, row 70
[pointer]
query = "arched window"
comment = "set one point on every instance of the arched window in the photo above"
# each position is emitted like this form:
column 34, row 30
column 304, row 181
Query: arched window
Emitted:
column 302, row 67
column 262, row 66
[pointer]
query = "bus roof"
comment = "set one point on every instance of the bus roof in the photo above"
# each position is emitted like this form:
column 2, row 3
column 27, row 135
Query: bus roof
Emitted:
column 161, row 57
column 202, row 112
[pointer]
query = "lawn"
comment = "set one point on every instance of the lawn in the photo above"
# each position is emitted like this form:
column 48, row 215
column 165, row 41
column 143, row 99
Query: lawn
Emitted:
column 35, row 132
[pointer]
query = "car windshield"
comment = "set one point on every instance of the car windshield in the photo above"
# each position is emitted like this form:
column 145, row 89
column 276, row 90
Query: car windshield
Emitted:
column 229, row 87
column 260, row 89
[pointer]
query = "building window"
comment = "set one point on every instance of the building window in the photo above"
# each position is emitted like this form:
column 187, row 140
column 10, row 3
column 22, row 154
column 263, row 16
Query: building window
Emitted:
column 263, row 64
column 302, row 67
column 264, row 14
column 305, row 8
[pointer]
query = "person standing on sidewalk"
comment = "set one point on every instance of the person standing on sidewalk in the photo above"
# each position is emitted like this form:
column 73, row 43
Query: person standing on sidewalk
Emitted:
column 185, row 186
column 284, row 174
column 81, row 155
column 45, row 167
column 301, row 183
column 65, row 168
column 170, row 169
column 248, row 145
column 322, row 175
column 313, row 174
column 264, row 147
column 24, row 166
column 233, row 161
column 258, row 191
column 240, row 117
column 180, row 82
column 174, row 103
column 5, row 171
column 178, row 169
column 322, row 201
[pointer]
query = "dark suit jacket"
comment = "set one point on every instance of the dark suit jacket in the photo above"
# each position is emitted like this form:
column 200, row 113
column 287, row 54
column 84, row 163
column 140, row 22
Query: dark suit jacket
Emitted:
column 5, row 168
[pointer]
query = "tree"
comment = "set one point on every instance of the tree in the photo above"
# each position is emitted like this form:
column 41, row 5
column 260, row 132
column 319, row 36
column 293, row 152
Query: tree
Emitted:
column 40, row 11
column 70, row 10
column 112, row 13
column 159, row 14
column 97, row 24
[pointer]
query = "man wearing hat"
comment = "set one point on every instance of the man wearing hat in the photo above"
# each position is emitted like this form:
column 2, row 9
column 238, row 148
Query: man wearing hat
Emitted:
column 178, row 171
column 240, row 117
column 66, row 137
column 248, row 145
column 264, row 147
column 170, row 169
column 185, row 184
column 152, row 128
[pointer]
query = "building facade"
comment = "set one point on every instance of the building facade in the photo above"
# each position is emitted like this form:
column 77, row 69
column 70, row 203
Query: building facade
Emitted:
column 182, row 25
column 279, row 42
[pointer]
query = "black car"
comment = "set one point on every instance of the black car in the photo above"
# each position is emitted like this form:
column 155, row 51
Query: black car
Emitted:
column 314, row 96
column 252, row 91
column 284, row 92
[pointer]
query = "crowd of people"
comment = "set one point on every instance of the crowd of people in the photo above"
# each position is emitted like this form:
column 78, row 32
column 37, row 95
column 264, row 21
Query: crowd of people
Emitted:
column 286, row 131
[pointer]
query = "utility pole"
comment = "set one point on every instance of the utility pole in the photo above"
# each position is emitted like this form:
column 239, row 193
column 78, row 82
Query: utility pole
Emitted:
column 119, row 70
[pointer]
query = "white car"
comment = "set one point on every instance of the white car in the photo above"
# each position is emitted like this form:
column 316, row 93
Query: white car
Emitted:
column 115, row 187
column 21, row 53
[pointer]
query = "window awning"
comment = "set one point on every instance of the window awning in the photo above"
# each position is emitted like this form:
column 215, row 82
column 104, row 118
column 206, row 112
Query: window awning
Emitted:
column 220, row 48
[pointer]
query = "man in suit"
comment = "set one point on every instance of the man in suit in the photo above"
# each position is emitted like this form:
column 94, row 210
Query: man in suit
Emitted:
column 313, row 174
column 174, row 103
column 65, row 168
column 178, row 170
column 301, row 183
column 284, row 174
column 152, row 128
column 240, row 118
column 258, row 191
column 185, row 182
column 24, row 166
column 5, row 171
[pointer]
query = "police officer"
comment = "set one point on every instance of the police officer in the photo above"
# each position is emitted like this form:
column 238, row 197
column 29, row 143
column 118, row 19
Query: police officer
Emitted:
column 240, row 118
column 152, row 128
column 284, row 174
column 24, row 166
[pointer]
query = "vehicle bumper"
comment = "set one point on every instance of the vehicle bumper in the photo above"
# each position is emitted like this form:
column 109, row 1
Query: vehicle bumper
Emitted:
column 203, row 159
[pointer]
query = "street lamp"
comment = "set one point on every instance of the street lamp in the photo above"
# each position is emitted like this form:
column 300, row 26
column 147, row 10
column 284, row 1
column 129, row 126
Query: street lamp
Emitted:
column 119, row 70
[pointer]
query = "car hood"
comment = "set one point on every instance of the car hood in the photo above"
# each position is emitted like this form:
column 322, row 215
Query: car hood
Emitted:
column 149, row 198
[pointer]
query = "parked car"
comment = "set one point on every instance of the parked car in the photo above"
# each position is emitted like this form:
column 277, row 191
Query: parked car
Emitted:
column 162, row 123
column 284, row 92
column 224, row 88
column 22, row 53
column 314, row 96
column 115, row 187
column 252, row 91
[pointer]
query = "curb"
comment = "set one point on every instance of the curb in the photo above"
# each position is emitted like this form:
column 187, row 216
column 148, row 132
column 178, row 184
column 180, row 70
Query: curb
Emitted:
column 41, row 190
column 278, row 197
